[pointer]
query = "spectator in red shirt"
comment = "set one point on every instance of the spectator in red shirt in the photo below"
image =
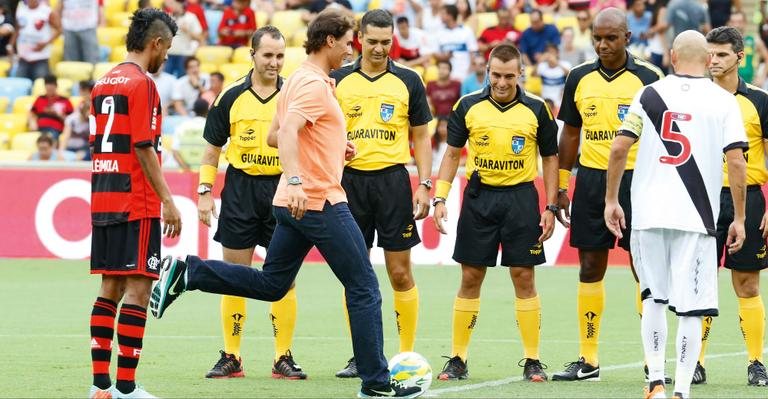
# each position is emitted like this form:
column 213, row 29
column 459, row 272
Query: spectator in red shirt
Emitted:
column 503, row 32
column 194, row 7
column 443, row 92
column 237, row 24
column 49, row 110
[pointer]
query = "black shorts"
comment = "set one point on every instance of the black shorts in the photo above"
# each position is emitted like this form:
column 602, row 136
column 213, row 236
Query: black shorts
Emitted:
column 246, row 218
column 588, row 230
column 382, row 202
column 127, row 249
column 752, row 253
column 506, row 216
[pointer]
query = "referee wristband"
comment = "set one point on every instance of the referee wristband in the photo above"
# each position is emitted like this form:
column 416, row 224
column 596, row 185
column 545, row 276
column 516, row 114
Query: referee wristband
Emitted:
column 208, row 174
column 565, row 178
column 442, row 188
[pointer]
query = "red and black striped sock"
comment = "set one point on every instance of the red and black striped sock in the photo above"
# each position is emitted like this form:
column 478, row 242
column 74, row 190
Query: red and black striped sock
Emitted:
column 130, row 334
column 102, row 331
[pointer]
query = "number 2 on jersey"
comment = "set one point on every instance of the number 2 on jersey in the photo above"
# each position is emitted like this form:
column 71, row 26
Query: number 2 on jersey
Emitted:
column 107, row 107
column 667, row 134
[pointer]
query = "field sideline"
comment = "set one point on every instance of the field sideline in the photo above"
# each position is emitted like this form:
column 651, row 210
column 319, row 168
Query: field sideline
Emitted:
column 46, row 305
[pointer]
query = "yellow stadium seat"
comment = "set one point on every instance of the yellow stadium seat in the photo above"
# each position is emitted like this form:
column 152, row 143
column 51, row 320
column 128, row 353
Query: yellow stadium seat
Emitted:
column 262, row 18
column 119, row 19
column 76, row 100
column 167, row 141
column 288, row 21
column 209, row 68
column 111, row 36
column 102, row 68
column 374, row 4
column 114, row 6
column 565, row 21
column 118, row 53
column 5, row 67
column 23, row 104
column 65, row 87
column 299, row 37
column 233, row 72
column 13, row 123
column 486, row 20
column 53, row 3
column 14, row 155
column 25, row 141
column 4, row 101
column 5, row 140
column 523, row 21
column 242, row 55
column 294, row 56
column 533, row 84
column 214, row 54
column 57, row 55
column 430, row 74
column 74, row 70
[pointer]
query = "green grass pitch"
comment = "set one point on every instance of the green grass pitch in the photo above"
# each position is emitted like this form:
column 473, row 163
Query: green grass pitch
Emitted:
column 44, row 342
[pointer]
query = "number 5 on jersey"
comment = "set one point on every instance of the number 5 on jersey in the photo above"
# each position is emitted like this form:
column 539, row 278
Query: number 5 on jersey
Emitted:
column 672, row 136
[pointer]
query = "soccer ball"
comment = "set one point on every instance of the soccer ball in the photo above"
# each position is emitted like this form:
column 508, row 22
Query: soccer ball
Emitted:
column 411, row 370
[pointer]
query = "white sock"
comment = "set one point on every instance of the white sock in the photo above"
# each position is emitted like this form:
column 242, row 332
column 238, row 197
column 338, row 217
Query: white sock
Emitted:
column 653, row 329
column 688, row 350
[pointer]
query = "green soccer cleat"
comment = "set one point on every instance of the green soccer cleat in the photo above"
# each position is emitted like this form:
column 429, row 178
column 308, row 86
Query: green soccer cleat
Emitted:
column 170, row 285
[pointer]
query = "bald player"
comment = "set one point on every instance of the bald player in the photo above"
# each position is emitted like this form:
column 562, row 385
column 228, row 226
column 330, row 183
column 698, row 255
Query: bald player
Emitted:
column 684, row 124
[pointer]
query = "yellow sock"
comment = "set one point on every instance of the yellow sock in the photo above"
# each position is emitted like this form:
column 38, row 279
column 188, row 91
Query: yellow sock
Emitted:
column 407, row 317
column 464, row 319
column 283, row 316
column 590, row 303
column 752, row 316
column 706, row 327
column 232, row 322
column 528, row 314
column 638, row 300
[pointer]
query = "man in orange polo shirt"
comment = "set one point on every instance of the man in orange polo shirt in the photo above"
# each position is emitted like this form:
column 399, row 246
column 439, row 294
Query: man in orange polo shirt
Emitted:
column 311, row 210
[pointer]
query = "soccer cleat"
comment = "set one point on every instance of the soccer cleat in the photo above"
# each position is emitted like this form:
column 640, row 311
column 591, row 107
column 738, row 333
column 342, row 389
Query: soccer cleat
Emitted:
column 667, row 379
column 169, row 286
column 454, row 369
column 395, row 389
column 138, row 393
column 98, row 393
column 657, row 392
column 699, row 375
column 286, row 368
column 579, row 370
column 350, row 371
column 228, row 366
column 756, row 374
column 533, row 370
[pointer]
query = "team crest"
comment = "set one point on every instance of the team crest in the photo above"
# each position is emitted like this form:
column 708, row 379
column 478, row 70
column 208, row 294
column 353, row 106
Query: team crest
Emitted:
column 518, row 142
column 386, row 111
column 622, row 111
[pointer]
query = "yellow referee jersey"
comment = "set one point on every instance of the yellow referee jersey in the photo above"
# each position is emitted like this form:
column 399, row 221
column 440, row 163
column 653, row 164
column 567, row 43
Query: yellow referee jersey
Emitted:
column 242, row 117
column 754, row 111
column 504, row 139
column 379, row 112
column 596, row 101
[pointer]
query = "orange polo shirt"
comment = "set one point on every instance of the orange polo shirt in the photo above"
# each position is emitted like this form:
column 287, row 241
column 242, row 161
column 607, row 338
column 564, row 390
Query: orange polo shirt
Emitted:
column 309, row 92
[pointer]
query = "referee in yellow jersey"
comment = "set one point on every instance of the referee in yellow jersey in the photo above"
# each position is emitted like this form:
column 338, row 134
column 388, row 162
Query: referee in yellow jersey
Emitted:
column 383, row 102
column 507, row 129
column 596, row 97
column 242, row 114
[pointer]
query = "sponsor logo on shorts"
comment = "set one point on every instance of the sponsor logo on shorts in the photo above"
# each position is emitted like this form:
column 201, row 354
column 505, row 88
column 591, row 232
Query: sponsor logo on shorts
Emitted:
column 761, row 253
column 408, row 232
column 536, row 249
column 153, row 262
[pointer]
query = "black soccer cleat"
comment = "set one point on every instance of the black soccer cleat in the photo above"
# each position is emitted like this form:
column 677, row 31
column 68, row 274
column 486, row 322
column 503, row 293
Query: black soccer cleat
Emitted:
column 756, row 374
column 171, row 283
column 699, row 375
column 395, row 389
column 579, row 370
column 454, row 369
column 350, row 371
column 533, row 370
column 286, row 368
column 667, row 379
column 228, row 366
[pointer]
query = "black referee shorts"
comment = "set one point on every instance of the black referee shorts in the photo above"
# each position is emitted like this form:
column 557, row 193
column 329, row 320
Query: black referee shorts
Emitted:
column 506, row 216
column 127, row 249
column 751, row 257
column 246, row 218
column 588, row 230
column 382, row 202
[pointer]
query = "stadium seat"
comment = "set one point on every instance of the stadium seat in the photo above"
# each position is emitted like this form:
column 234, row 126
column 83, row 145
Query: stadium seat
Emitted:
column 242, row 55
column 4, row 103
column 486, row 20
column 13, row 123
column 14, row 155
column 26, row 141
column 213, row 18
column 119, row 19
column 214, row 54
column 294, row 56
column 22, row 105
column 430, row 74
column 299, row 37
column 288, row 21
column 57, row 54
column 565, row 21
column 101, row 68
column 533, row 84
column 207, row 67
column 262, row 18
column 523, row 21
column 5, row 68
column 111, row 36
column 74, row 70
column 76, row 100
column 5, row 141
column 233, row 72
column 14, row 87
column 115, row 6
column 118, row 53
column 65, row 87
column 374, row 4
column 171, row 122
column 167, row 142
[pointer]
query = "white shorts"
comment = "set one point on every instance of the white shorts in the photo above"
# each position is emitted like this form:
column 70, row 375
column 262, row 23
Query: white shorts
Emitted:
column 677, row 268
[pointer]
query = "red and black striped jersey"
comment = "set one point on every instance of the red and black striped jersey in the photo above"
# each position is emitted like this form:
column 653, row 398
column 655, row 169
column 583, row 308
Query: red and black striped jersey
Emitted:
column 125, row 114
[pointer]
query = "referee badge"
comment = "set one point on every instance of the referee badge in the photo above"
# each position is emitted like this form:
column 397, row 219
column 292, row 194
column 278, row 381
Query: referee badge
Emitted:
column 386, row 111
column 518, row 142
column 622, row 111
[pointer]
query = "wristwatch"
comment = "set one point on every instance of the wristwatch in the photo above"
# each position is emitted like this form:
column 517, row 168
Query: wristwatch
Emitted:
column 426, row 183
column 203, row 189
column 553, row 208
column 437, row 200
column 294, row 180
